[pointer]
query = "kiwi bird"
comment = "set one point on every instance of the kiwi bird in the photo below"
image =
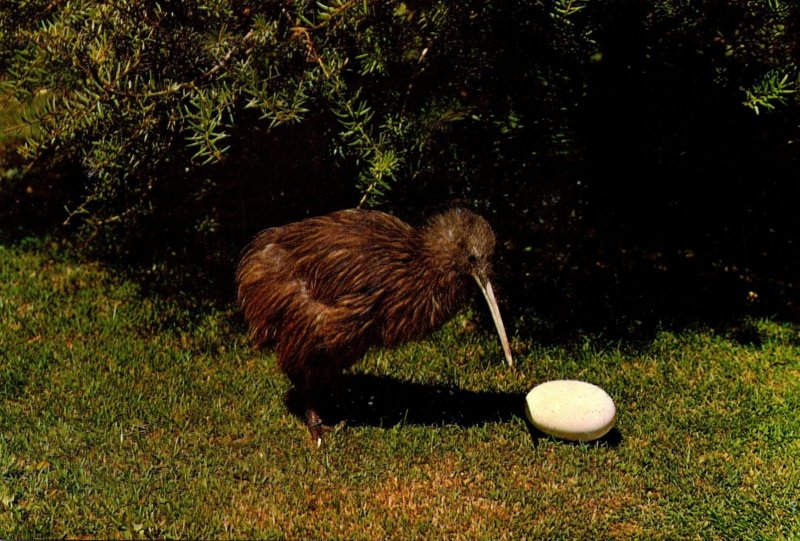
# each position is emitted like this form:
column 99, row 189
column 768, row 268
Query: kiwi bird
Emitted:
column 324, row 290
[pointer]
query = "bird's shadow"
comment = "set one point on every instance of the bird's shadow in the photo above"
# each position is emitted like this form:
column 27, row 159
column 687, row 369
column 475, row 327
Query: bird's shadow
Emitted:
column 370, row 400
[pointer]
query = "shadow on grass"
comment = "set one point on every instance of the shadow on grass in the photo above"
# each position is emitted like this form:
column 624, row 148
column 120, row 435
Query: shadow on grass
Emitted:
column 369, row 400
column 613, row 439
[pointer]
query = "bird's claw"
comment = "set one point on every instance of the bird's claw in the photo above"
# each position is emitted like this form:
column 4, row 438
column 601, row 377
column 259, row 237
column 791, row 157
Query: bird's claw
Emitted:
column 317, row 430
column 315, row 426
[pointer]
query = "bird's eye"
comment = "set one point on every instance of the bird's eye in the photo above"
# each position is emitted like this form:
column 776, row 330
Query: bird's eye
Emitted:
column 472, row 258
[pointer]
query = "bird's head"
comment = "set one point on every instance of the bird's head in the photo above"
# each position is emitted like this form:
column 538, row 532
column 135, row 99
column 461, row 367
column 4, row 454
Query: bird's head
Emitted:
column 462, row 244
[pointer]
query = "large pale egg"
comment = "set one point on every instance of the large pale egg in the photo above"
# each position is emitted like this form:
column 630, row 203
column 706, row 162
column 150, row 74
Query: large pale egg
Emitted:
column 570, row 409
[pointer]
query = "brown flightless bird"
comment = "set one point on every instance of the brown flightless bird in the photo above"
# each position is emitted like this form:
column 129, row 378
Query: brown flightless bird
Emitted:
column 322, row 291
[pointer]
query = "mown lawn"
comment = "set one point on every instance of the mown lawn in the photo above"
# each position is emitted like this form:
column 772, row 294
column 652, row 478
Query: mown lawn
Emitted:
column 124, row 415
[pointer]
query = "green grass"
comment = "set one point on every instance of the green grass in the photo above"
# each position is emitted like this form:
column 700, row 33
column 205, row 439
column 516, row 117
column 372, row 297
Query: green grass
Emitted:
column 122, row 415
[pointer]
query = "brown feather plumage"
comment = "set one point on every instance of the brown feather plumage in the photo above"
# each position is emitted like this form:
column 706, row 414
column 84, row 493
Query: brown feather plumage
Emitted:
column 324, row 290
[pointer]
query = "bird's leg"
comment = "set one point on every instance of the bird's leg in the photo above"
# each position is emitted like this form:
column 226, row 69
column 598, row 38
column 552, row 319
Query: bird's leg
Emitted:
column 310, row 395
column 312, row 382
column 307, row 394
column 313, row 421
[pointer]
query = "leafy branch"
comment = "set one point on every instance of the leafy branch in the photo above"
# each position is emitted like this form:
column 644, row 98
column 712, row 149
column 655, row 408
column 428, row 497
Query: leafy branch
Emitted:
column 772, row 89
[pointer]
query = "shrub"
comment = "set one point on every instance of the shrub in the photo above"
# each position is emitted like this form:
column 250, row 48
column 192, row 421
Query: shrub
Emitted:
column 560, row 117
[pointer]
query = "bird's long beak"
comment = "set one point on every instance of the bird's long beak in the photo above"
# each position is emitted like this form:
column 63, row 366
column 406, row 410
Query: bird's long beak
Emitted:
column 486, row 289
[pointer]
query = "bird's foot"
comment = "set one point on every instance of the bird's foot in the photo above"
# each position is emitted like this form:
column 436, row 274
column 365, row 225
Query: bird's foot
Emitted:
column 317, row 432
column 315, row 426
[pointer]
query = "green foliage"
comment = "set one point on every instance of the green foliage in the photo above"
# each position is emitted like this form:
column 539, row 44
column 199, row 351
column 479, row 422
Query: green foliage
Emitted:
column 772, row 89
column 130, row 83
column 403, row 92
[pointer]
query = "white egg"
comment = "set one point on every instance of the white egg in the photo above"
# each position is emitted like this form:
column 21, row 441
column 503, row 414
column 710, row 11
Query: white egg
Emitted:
column 571, row 410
